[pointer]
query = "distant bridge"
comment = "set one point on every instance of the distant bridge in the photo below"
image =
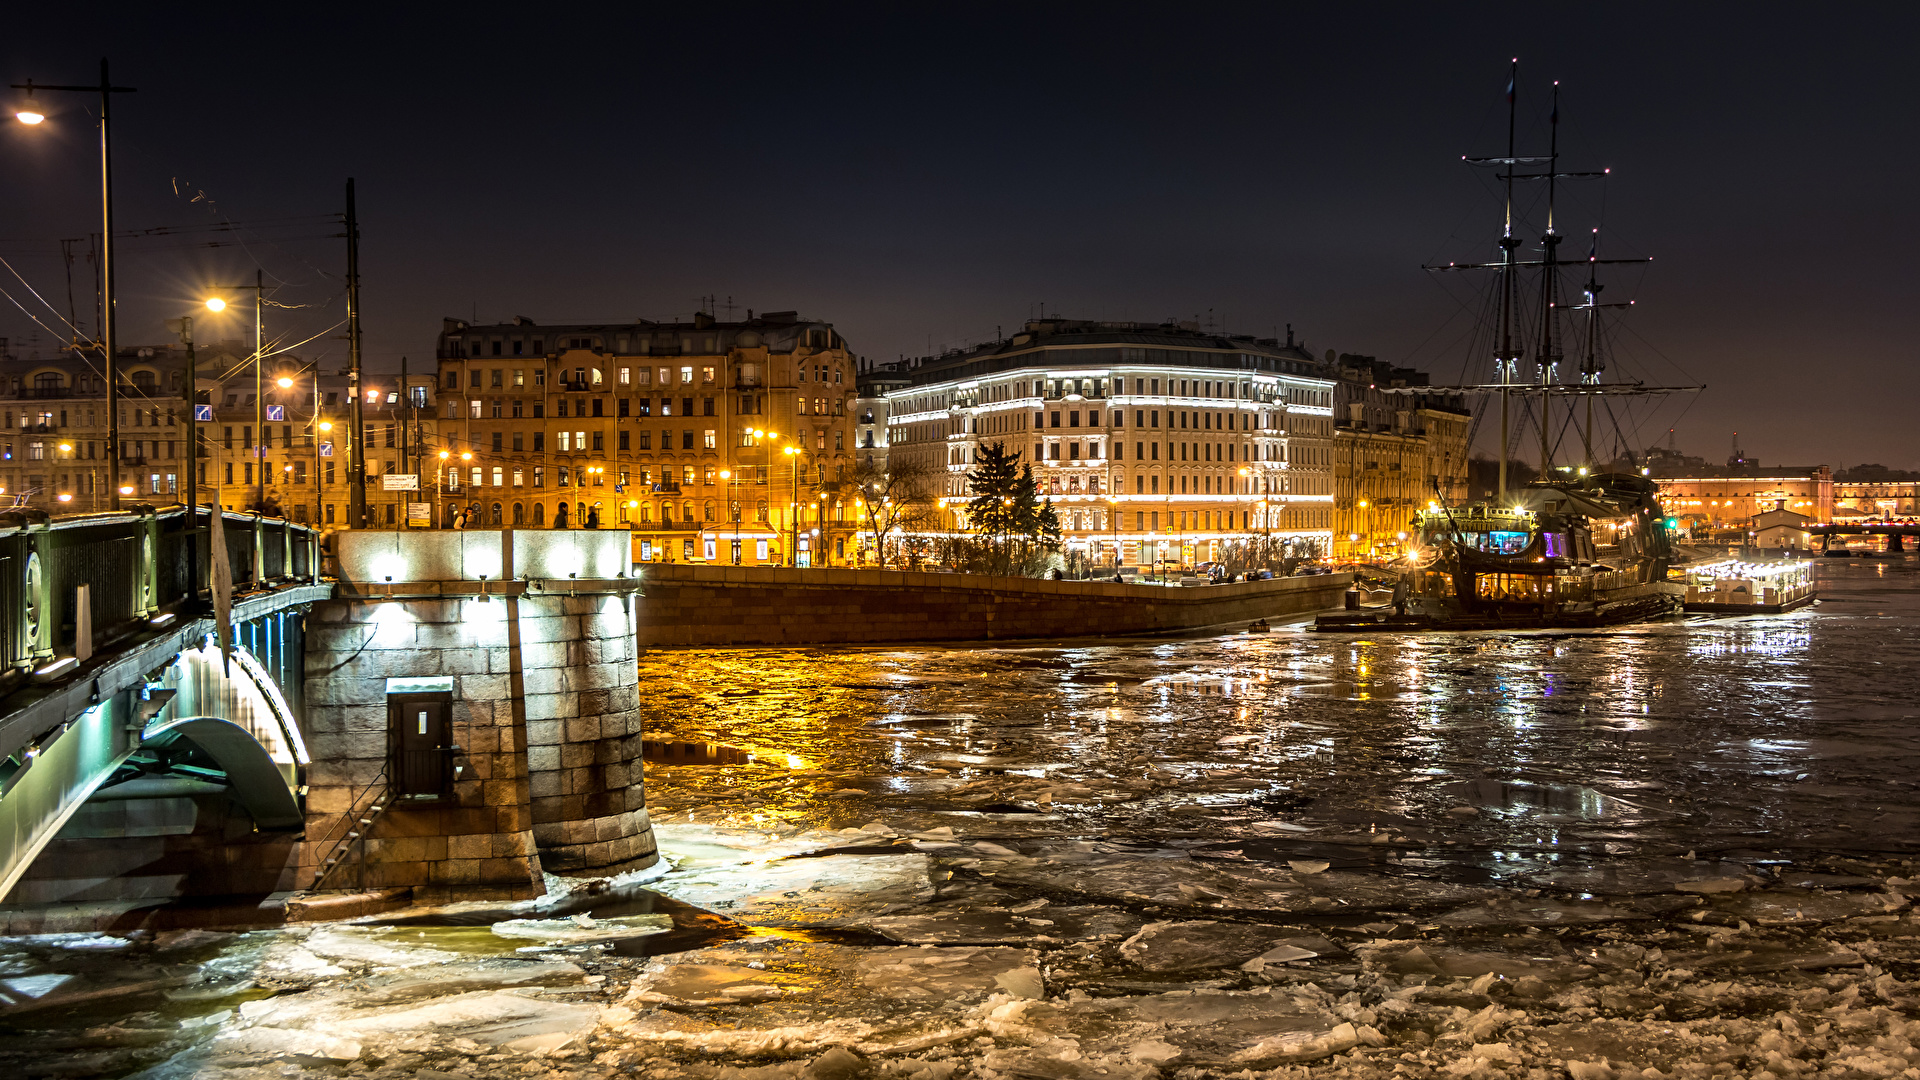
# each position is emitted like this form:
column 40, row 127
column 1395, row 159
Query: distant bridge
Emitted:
column 1895, row 531
column 111, row 688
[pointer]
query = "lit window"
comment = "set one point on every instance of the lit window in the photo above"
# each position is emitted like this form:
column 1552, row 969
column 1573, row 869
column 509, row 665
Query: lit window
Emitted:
column 566, row 441
column 499, row 477
column 473, row 409
column 712, row 441
column 519, row 477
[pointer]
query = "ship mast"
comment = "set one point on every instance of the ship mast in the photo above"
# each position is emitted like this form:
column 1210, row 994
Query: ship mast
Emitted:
column 1507, row 358
column 1548, row 359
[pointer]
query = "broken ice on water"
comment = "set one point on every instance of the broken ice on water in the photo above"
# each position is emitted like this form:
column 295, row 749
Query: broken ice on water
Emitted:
column 1679, row 850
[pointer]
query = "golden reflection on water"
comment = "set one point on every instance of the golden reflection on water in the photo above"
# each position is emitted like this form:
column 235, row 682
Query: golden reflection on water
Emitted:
column 1684, row 704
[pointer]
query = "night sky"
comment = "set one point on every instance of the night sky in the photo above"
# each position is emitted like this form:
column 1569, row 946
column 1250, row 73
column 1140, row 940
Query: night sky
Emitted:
column 921, row 179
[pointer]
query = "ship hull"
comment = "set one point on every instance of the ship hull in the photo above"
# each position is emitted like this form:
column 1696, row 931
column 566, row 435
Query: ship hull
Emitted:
column 1634, row 603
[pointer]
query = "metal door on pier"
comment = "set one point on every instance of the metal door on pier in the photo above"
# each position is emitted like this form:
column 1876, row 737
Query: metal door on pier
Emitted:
column 423, row 743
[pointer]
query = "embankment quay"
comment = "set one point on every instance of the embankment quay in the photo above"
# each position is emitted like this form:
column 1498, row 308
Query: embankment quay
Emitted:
column 739, row 605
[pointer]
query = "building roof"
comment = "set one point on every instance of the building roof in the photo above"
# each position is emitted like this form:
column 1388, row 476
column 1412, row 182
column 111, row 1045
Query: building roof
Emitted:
column 1099, row 344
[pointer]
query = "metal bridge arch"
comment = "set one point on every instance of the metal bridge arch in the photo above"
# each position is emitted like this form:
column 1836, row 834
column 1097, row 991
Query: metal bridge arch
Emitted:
column 237, row 717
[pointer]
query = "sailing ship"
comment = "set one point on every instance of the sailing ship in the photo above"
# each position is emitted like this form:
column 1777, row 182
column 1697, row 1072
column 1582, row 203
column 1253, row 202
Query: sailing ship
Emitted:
column 1582, row 545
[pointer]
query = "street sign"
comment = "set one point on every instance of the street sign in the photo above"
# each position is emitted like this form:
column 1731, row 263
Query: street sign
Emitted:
column 326, row 449
column 400, row 482
column 619, row 489
column 276, row 413
column 419, row 515
column 203, row 413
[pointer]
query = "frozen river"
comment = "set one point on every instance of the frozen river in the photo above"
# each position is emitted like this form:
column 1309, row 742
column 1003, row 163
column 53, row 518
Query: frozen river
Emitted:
column 1681, row 849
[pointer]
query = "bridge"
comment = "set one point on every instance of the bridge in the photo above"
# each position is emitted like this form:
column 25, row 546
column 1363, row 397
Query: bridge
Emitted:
column 399, row 714
column 1895, row 530
column 114, row 694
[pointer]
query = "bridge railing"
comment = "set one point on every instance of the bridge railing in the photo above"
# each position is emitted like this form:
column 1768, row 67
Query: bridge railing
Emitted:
column 75, row 584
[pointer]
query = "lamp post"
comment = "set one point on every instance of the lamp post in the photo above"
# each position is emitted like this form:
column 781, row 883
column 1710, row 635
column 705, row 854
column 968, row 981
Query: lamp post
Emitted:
column 218, row 304
column 32, row 113
column 315, row 425
column 793, row 507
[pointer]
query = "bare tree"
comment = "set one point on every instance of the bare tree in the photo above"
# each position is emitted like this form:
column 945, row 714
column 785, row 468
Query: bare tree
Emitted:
column 895, row 501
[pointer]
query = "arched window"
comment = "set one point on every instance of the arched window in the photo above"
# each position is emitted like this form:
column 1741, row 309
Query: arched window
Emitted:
column 496, row 514
column 519, row 514
column 143, row 379
column 47, row 380
column 539, row 515
column 763, row 511
column 708, row 508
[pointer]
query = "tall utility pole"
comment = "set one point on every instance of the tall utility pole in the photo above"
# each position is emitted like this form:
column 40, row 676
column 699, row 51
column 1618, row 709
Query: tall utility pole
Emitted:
column 405, row 418
column 259, row 401
column 356, row 462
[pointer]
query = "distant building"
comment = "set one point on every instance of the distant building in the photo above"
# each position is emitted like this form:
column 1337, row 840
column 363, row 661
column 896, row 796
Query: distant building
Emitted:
column 728, row 442
column 1726, row 498
column 1396, row 447
column 873, row 384
column 53, row 444
column 1781, row 528
column 1155, row 441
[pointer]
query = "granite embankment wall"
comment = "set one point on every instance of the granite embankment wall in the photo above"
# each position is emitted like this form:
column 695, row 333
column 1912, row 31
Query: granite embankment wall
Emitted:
column 740, row 605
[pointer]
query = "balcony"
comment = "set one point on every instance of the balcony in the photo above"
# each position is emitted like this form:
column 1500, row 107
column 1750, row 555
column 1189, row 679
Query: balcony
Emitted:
column 46, row 392
column 567, row 387
column 746, row 382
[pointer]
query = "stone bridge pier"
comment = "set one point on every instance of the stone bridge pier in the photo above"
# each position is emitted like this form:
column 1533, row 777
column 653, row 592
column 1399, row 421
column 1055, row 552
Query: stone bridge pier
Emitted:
column 472, row 714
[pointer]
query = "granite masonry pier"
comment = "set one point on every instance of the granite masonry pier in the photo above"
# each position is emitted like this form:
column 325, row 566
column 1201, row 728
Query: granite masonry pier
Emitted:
column 472, row 712
column 739, row 605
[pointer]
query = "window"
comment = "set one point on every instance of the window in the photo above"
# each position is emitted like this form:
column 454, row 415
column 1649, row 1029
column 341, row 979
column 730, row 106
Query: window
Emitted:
column 519, row 480
column 626, row 376
column 710, row 440
column 566, row 442
column 494, row 380
column 539, row 441
column 579, row 440
column 499, row 478
column 686, row 441
column 686, row 376
column 597, row 405
column 706, row 376
column 599, row 440
column 624, row 440
column 473, row 409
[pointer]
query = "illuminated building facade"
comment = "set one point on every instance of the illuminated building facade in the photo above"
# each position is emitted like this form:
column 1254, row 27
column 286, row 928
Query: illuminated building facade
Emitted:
column 728, row 442
column 1732, row 499
column 53, row 446
column 1396, row 449
column 1155, row 442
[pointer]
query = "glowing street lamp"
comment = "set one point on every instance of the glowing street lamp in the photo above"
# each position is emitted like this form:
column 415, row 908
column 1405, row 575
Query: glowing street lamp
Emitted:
column 215, row 304
column 31, row 113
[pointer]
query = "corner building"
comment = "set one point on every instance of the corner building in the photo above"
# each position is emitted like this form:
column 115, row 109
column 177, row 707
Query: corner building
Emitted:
column 715, row 442
column 1154, row 441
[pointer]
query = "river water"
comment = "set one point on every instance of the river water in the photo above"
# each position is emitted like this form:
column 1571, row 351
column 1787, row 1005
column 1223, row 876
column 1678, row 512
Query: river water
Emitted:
column 1684, row 847
column 1791, row 732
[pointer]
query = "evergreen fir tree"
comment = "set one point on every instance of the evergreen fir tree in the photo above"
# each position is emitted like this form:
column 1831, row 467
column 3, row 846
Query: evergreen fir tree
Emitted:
column 1048, row 531
column 994, row 482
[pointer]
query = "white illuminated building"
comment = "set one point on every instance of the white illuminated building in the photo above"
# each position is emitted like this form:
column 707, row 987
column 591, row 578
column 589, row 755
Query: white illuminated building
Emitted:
column 1153, row 441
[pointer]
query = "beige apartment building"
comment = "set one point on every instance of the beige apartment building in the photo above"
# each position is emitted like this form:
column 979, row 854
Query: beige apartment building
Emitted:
column 1157, row 442
column 718, row 442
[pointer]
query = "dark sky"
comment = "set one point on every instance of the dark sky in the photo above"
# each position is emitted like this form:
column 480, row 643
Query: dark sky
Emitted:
column 920, row 178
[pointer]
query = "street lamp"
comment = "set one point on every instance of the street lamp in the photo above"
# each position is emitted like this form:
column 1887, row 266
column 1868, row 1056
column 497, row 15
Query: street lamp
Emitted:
column 793, row 507
column 218, row 304
column 30, row 112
